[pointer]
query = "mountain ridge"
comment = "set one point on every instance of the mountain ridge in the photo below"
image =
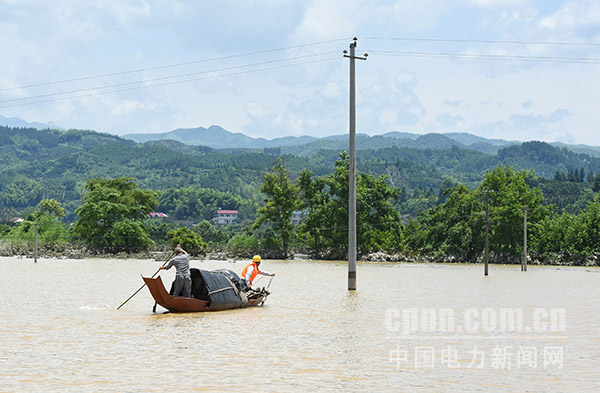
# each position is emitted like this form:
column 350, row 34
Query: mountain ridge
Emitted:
column 217, row 137
column 17, row 122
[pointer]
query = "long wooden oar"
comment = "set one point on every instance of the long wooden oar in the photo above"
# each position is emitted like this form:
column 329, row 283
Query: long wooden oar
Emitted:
column 135, row 293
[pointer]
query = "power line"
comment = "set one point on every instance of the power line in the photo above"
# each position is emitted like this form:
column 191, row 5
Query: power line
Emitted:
column 164, row 78
column 541, row 59
column 166, row 84
column 515, row 42
column 172, row 65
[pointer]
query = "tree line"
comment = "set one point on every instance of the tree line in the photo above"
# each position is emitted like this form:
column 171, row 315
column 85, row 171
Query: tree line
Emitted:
column 112, row 217
column 453, row 230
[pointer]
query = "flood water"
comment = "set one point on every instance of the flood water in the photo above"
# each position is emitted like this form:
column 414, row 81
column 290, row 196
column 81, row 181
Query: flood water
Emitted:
column 60, row 330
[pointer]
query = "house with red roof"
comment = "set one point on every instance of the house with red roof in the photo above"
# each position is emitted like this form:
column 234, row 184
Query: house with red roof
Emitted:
column 226, row 216
column 157, row 215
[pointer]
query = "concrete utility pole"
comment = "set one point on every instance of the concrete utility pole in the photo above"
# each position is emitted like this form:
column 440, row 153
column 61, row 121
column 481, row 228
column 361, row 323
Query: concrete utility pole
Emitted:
column 35, row 241
column 524, row 263
column 486, row 252
column 487, row 235
column 352, row 171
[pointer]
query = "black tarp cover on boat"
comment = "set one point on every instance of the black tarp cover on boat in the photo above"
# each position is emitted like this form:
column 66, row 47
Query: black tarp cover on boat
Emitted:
column 233, row 276
column 222, row 293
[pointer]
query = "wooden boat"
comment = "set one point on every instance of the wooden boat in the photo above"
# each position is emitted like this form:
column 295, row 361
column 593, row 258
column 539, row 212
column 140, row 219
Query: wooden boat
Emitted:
column 211, row 291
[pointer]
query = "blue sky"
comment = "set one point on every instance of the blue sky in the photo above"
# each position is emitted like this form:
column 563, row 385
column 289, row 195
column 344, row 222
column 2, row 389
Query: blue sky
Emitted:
column 274, row 68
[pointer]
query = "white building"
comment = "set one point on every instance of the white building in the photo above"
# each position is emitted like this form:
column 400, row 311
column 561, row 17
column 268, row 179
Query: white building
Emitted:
column 226, row 216
column 297, row 217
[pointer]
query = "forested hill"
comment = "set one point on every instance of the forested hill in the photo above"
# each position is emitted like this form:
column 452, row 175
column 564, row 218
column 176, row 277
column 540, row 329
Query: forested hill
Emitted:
column 55, row 164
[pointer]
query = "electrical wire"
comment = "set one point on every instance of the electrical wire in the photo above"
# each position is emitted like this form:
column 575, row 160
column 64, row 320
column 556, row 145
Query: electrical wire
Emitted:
column 515, row 42
column 540, row 59
column 152, row 82
column 165, row 84
column 146, row 81
column 173, row 65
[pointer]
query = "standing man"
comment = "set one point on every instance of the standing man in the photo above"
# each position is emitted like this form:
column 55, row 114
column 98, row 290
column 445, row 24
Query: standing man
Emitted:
column 183, row 279
column 251, row 271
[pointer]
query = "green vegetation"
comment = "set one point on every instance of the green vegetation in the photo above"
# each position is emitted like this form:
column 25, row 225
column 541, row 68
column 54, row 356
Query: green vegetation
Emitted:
column 325, row 202
column 189, row 240
column 242, row 245
column 50, row 228
column 456, row 227
column 282, row 200
column 77, row 186
column 111, row 213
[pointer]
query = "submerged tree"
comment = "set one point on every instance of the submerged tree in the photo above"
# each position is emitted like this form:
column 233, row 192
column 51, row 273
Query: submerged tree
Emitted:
column 571, row 237
column 111, row 214
column 325, row 201
column 281, row 201
column 50, row 228
column 457, row 227
column 509, row 194
column 453, row 228
column 189, row 240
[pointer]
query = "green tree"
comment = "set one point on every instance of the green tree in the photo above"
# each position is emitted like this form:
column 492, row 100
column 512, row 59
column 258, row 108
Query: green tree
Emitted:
column 326, row 203
column 242, row 246
column 456, row 227
column 158, row 228
column 583, row 238
column 129, row 235
column 312, row 198
column 211, row 234
column 50, row 228
column 453, row 228
column 569, row 237
column 111, row 212
column 509, row 194
column 190, row 241
column 555, row 233
column 21, row 192
column 596, row 186
column 282, row 200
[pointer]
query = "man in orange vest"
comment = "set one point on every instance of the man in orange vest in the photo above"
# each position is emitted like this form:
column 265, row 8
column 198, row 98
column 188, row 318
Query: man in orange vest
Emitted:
column 251, row 271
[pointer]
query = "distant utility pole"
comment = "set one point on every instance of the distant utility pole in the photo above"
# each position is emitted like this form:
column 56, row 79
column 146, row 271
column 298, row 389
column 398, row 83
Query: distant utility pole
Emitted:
column 352, row 171
column 487, row 236
column 524, row 262
column 35, row 241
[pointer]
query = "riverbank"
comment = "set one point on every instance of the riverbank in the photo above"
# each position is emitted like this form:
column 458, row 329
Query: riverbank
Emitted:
column 550, row 259
column 70, row 251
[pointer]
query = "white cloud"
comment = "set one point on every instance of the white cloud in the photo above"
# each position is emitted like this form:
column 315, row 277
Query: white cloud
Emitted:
column 324, row 19
column 548, row 128
column 255, row 110
column 456, row 102
column 389, row 102
column 576, row 14
column 126, row 107
column 52, row 41
column 497, row 3
column 447, row 123
column 527, row 104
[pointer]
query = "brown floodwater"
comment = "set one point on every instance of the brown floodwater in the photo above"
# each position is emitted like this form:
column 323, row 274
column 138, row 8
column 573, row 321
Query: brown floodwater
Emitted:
column 61, row 332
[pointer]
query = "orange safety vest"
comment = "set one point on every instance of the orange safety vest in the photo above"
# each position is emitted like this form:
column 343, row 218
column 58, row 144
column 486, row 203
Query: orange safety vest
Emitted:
column 254, row 273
